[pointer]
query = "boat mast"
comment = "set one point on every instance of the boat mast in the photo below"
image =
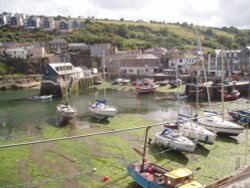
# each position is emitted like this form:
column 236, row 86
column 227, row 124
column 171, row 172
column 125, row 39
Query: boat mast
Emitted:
column 222, row 84
column 103, row 64
column 200, row 55
column 144, row 148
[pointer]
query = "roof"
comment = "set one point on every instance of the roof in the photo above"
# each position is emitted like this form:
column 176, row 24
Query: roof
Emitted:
column 77, row 44
column 178, row 173
column 146, row 56
column 58, row 41
column 63, row 68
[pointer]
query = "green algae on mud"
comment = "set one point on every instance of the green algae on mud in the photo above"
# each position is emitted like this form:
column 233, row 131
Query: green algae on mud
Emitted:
column 11, row 159
column 82, row 162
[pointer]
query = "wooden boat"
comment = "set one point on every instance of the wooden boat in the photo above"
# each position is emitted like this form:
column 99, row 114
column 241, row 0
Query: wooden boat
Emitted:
column 233, row 95
column 169, row 138
column 100, row 109
column 150, row 175
column 242, row 116
column 65, row 112
column 193, row 131
column 213, row 122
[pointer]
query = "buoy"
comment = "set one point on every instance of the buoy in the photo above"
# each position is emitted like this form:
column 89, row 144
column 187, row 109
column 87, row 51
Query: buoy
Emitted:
column 150, row 169
column 105, row 178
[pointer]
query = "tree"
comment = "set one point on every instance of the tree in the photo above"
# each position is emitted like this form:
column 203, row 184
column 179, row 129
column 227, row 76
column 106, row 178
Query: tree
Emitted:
column 122, row 30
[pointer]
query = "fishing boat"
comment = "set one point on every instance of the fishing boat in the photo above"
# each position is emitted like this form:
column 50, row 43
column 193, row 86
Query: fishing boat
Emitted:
column 170, row 138
column 145, row 87
column 233, row 95
column 150, row 175
column 241, row 116
column 101, row 110
column 193, row 131
column 65, row 112
column 213, row 122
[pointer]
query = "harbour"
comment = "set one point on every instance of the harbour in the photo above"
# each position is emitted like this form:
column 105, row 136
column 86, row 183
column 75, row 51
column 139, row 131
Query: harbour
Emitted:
column 86, row 160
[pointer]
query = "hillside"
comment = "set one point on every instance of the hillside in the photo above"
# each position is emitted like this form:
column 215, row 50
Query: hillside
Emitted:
column 132, row 35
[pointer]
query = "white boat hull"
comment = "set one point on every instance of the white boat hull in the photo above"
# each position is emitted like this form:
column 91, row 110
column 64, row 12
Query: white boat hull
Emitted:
column 217, row 125
column 105, row 111
column 65, row 111
column 186, row 145
column 196, row 132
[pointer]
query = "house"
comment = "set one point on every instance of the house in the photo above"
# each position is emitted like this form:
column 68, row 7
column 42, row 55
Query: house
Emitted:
column 131, row 64
column 99, row 50
column 233, row 62
column 3, row 20
column 63, row 72
column 245, row 60
column 20, row 53
column 37, row 52
column 16, row 20
column 47, row 23
column 63, row 26
column 57, row 46
column 32, row 22
column 75, row 24
column 181, row 60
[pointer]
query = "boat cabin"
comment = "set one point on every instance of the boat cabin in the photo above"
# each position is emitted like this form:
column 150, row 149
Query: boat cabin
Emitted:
column 180, row 176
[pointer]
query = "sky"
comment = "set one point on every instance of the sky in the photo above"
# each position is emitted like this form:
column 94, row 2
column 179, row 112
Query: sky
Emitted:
column 214, row 13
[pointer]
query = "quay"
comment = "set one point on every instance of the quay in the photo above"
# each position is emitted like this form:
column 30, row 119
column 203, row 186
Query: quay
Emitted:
column 215, row 89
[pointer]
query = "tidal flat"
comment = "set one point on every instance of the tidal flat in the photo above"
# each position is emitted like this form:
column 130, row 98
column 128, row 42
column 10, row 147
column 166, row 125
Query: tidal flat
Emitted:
column 84, row 161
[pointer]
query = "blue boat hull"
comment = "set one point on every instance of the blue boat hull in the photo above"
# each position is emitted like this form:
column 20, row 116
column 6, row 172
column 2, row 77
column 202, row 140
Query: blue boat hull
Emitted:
column 141, row 180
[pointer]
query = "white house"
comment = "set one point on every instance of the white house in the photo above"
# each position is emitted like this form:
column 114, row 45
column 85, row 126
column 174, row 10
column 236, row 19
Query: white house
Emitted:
column 47, row 23
column 232, row 61
column 20, row 53
column 182, row 61
column 3, row 20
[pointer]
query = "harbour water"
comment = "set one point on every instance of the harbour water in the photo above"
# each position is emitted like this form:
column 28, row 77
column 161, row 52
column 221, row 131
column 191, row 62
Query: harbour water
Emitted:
column 19, row 113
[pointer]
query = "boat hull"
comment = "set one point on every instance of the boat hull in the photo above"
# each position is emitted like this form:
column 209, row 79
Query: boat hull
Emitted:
column 142, row 181
column 196, row 132
column 145, row 90
column 219, row 126
column 154, row 176
column 103, row 112
column 188, row 146
column 65, row 112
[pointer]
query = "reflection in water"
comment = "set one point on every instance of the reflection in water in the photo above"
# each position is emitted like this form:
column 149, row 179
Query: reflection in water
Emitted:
column 17, row 113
